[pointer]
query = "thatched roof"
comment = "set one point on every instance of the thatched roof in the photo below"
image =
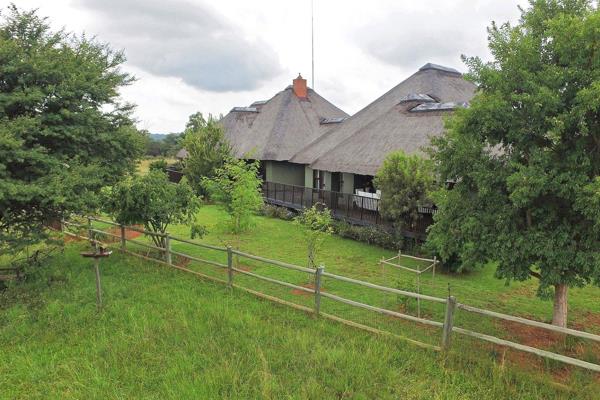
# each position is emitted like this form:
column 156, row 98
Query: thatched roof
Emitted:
column 405, row 118
column 278, row 128
column 181, row 154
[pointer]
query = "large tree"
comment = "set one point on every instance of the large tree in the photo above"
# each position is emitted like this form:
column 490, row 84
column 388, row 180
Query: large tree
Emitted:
column 526, row 154
column 63, row 132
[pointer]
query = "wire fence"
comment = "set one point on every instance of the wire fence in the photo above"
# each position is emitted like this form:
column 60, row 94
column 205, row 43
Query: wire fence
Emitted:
column 341, row 296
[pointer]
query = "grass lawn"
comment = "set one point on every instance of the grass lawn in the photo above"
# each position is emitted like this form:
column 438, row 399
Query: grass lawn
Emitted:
column 282, row 240
column 165, row 334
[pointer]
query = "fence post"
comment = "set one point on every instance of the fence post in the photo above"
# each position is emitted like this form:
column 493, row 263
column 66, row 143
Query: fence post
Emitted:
column 91, row 233
column 62, row 224
column 318, row 274
column 419, row 292
column 448, row 323
column 168, row 257
column 123, row 241
column 98, row 284
column 229, row 267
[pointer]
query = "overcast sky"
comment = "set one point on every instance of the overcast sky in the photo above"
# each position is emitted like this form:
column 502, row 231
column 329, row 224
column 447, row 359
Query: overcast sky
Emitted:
column 209, row 56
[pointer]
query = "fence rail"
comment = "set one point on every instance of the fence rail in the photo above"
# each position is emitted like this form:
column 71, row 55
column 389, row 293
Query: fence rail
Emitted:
column 450, row 303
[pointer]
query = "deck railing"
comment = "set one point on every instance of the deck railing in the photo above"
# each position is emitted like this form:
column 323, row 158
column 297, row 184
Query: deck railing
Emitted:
column 356, row 209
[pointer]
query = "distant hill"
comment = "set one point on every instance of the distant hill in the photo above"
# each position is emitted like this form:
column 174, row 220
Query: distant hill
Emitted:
column 158, row 136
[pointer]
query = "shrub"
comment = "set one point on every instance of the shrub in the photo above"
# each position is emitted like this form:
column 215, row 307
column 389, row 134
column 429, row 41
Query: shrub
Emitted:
column 369, row 234
column 159, row 165
column 271, row 211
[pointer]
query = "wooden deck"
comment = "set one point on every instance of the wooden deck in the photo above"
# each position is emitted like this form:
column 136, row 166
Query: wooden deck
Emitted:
column 357, row 210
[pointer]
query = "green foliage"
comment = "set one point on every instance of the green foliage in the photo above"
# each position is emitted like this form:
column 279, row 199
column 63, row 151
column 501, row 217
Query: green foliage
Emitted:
column 159, row 165
column 207, row 148
column 526, row 154
column 316, row 224
column 167, row 147
column 153, row 201
column 63, row 132
column 369, row 234
column 405, row 182
column 236, row 187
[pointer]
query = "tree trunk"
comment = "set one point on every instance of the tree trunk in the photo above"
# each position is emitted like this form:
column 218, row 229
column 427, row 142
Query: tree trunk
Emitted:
column 559, row 317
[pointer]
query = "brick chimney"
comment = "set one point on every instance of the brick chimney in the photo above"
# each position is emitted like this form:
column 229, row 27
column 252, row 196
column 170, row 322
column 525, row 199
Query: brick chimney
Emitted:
column 300, row 88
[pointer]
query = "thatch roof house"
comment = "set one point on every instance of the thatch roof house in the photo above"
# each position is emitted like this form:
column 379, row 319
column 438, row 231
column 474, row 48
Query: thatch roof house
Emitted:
column 274, row 130
column 405, row 118
column 304, row 140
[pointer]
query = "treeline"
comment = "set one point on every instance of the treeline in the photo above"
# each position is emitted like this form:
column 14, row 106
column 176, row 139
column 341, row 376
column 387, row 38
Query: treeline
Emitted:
column 167, row 146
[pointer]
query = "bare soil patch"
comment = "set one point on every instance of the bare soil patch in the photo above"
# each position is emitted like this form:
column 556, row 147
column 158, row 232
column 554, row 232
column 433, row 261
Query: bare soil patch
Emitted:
column 311, row 286
column 129, row 234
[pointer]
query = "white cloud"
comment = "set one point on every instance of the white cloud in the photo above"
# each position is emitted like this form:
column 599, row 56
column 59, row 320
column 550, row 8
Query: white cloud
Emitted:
column 185, row 40
column 196, row 55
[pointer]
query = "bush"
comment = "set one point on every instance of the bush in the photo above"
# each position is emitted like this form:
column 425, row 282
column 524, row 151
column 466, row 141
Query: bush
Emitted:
column 271, row 211
column 369, row 234
column 159, row 165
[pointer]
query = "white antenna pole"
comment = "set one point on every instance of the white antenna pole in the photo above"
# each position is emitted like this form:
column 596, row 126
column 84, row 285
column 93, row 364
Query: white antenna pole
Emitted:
column 312, row 29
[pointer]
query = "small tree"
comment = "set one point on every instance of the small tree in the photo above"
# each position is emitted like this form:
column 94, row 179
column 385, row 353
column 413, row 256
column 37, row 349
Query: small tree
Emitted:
column 405, row 182
column 316, row 225
column 236, row 186
column 207, row 149
column 153, row 201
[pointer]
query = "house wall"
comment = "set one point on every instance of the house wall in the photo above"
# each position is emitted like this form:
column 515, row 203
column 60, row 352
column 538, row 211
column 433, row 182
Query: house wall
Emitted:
column 348, row 183
column 327, row 181
column 308, row 177
column 284, row 172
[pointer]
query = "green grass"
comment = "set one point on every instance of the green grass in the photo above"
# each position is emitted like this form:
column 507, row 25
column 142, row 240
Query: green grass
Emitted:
column 165, row 334
column 282, row 240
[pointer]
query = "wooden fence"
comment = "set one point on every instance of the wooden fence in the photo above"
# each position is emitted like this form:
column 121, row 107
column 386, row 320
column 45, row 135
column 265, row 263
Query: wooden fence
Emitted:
column 451, row 305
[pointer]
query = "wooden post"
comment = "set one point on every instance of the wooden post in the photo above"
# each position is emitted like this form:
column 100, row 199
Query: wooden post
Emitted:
column 318, row 274
column 98, row 284
column 434, row 264
column 62, row 224
column 123, row 238
column 91, row 234
column 229, row 267
column 419, row 292
column 362, row 207
column 168, row 256
column 448, row 323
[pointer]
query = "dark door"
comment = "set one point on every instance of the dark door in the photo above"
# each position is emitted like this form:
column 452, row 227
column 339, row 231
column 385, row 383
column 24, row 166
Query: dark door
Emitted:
column 336, row 181
column 336, row 187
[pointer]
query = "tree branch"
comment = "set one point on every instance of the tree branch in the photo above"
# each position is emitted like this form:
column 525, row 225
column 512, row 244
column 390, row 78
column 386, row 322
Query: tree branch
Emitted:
column 535, row 274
